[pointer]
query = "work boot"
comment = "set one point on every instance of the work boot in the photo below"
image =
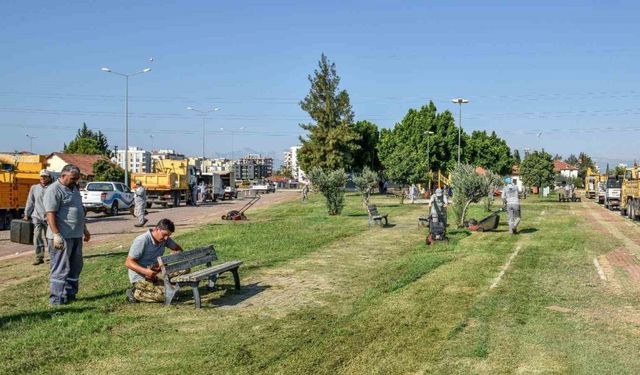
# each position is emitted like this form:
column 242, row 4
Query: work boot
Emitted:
column 130, row 297
column 137, row 225
column 144, row 222
column 37, row 261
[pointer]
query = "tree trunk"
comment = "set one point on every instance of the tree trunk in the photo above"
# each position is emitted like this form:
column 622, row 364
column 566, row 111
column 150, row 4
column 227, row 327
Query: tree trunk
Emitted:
column 464, row 213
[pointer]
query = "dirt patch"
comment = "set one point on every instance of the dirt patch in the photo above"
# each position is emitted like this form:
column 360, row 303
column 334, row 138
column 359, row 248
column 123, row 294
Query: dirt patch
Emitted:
column 628, row 262
column 559, row 309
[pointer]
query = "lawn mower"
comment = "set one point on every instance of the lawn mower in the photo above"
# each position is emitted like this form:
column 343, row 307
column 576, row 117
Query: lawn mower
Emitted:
column 237, row 215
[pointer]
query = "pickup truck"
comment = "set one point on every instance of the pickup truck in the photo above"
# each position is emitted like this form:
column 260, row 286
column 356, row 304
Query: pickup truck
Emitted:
column 108, row 197
column 230, row 192
column 263, row 188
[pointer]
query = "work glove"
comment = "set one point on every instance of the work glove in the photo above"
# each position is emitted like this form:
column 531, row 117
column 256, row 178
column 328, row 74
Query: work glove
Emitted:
column 58, row 241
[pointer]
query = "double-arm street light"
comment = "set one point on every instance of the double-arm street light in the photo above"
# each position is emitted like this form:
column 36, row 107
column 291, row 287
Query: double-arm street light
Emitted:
column 460, row 101
column 204, row 118
column 126, row 116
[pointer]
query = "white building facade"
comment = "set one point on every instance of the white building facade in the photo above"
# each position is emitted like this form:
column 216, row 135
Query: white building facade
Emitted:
column 139, row 160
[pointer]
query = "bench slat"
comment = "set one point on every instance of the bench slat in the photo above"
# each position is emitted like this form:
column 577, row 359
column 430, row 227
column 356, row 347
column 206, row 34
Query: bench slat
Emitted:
column 179, row 266
column 187, row 254
column 205, row 273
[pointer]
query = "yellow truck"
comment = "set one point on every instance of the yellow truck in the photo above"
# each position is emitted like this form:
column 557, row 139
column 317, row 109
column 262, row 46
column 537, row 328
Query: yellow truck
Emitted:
column 169, row 182
column 17, row 174
column 630, row 194
column 591, row 180
column 601, row 188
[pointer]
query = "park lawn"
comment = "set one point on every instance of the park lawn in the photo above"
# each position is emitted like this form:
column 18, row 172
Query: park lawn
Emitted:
column 324, row 295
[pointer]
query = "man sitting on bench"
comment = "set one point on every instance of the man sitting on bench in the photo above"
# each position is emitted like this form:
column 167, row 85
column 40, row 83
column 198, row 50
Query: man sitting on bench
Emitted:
column 143, row 265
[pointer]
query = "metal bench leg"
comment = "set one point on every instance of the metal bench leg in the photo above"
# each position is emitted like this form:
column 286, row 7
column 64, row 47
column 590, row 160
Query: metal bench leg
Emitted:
column 236, row 277
column 386, row 221
column 196, row 294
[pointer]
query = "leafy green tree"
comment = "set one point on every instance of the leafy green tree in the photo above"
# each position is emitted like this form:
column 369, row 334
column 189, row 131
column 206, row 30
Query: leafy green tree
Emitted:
column 516, row 156
column 619, row 170
column 572, row 160
column 470, row 187
column 403, row 149
column 365, row 183
column 88, row 142
column 104, row 170
column 285, row 171
column 331, row 185
column 584, row 162
column 332, row 141
column 537, row 169
column 557, row 157
column 367, row 155
column 490, row 152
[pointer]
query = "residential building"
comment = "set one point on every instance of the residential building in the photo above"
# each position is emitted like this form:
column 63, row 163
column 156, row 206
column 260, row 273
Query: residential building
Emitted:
column 253, row 167
column 167, row 154
column 211, row 165
column 298, row 174
column 139, row 160
column 57, row 160
column 564, row 169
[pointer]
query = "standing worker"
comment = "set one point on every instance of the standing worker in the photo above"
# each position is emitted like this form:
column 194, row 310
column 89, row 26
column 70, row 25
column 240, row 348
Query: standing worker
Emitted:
column 35, row 211
column 438, row 206
column 140, row 202
column 65, row 214
column 510, row 198
column 305, row 190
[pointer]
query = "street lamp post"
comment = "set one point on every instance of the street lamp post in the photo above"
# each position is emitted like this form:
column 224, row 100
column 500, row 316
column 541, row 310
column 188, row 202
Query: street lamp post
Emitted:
column 31, row 137
column 460, row 101
column 204, row 118
column 126, row 116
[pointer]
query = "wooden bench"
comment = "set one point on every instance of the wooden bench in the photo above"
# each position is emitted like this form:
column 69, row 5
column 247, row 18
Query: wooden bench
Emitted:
column 375, row 216
column 186, row 260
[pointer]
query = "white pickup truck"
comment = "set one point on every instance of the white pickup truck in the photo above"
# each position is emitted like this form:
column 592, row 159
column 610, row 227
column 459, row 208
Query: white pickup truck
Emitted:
column 266, row 187
column 108, row 197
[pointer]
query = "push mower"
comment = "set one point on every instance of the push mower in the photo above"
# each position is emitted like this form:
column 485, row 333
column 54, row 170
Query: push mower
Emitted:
column 437, row 229
column 236, row 215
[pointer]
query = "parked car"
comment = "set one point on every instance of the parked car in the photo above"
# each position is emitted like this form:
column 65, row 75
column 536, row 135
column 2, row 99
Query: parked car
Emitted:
column 230, row 192
column 108, row 197
column 264, row 188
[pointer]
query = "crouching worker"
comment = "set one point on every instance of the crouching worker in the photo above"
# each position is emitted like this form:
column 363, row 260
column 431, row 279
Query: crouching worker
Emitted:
column 144, row 271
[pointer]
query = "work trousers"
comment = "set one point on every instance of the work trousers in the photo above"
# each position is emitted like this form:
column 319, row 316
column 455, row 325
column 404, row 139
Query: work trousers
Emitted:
column 40, row 238
column 513, row 211
column 65, row 266
column 153, row 291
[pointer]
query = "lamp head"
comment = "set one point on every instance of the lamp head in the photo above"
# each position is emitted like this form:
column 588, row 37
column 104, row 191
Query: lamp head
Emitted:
column 106, row 70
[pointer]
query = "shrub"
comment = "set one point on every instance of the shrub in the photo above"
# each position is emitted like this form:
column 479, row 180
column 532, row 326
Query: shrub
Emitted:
column 331, row 185
column 365, row 183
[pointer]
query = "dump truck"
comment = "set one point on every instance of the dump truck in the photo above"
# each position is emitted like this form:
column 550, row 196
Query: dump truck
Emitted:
column 612, row 194
column 630, row 194
column 168, row 183
column 17, row 174
column 601, row 188
column 590, row 184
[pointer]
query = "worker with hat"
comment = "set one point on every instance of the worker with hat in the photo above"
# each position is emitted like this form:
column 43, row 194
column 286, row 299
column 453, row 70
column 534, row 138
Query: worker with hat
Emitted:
column 438, row 206
column 511, row 199
column 140, row 202
column 35, row 212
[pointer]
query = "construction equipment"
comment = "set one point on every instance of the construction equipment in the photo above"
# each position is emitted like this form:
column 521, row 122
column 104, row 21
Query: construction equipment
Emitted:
column 601, row 188
column 236, row 215
column 590, row 184
column 17, row 174
column 568, row 194
column 169, row 182
column 630, row 193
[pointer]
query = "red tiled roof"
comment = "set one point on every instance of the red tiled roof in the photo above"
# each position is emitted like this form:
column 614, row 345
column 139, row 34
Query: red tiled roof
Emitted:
column 82, row 161
column 559, row 165
column 480, row 170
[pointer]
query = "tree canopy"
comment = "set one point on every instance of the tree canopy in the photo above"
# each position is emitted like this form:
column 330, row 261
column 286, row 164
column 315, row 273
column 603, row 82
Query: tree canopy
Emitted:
column 537, row 169
column 368, row 138
column 470, row 187
column 403, row 149
column 88, row 142
column 332, row 141
column 104, row 170
column 489, row 152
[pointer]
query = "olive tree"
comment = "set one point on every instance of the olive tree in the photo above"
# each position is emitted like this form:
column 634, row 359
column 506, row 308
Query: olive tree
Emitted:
column 331, row 185
column 469, row 187
column 365, row 183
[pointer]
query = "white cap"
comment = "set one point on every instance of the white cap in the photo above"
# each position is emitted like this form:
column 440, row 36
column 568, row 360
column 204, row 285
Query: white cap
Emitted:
column 44, row 173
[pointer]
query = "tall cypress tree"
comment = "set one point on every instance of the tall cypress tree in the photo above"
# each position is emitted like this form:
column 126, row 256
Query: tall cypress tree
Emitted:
column 331, row 142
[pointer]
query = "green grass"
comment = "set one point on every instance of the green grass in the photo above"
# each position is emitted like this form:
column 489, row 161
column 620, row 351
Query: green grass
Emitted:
column 333, row 296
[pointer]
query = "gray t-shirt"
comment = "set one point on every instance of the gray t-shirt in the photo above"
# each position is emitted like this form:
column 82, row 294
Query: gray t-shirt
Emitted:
column 146, row 251
column 67, row 205
column 35, row 205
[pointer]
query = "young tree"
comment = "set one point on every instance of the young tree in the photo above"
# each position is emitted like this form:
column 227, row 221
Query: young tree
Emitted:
column 104, row 170
column 584, row 162
column 537, row 169
column 365, row 183
column 403, row 150
column 490, row 152
column 470, row 187
column 331, row 141
column 368, row 138
column 285, row 171
column 331, row 186
column 516, row 156
column 88, row 142
column 572, row 160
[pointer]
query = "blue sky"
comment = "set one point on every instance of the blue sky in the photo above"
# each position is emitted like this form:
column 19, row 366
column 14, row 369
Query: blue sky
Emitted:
column 567, row 71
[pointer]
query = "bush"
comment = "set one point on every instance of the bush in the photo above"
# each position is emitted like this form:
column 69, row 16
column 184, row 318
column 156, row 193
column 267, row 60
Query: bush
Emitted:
column 331, row 185
column 365, row 183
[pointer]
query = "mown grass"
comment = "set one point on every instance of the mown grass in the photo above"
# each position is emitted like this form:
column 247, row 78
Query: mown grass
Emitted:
column 403, row 308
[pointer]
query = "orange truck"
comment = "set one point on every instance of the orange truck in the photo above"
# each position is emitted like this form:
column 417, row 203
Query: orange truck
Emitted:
column 17, row 174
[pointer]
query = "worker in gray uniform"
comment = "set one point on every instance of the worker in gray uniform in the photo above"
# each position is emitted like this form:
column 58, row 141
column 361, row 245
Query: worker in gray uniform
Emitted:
column 510, row 198
column 35, row 212
column 140, row 204
column 65, row 215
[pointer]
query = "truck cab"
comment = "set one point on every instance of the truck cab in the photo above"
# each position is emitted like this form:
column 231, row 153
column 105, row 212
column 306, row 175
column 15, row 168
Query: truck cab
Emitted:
column 612, row 194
